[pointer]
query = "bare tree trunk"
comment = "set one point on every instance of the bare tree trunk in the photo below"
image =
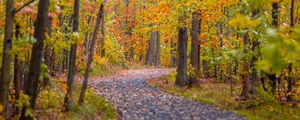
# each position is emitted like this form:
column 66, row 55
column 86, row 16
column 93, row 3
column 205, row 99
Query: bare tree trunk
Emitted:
column 173, row 54
column 87, row 39
column 245, row 74
column 290, row 79
column 37, row 54
column 195, row 48
column 72, row 63
column 254, row 77
column 205, row 62
column 17, row 78
column 91, row 55
column 275, row 23
column 157, row 51
column 215, row 62
column 150, row 52
column 103, row 34
column 46, row 79
column 6, row 59
column 129, row 54
column 181, row 78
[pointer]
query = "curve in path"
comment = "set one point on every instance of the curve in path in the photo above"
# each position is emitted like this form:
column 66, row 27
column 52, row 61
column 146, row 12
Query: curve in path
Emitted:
column 136, row 100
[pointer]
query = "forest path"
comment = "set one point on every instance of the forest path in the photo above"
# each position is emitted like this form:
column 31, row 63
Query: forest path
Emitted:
column 136, row 100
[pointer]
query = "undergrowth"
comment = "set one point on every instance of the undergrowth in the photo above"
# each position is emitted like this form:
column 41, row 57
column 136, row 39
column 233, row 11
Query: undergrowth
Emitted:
column 260, row 107
column 50, row 101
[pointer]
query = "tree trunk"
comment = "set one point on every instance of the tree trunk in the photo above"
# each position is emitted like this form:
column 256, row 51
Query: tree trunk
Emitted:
column 181, row 78
column 205, row 65
column 46, row 81
column 205, row 62
column 87, row 39
column 150, row 53
column 275, row 14
column 36, row 58
column 91, row 55
column 173, row 54
column 103, row 34
column 275, row 23
column 254, row 77
column 17, row 77
column 215, row 62
column 290, row 79
column 72, row 63
column 195, row 48
column 245, row 74
column 129, row 54
column 6, row 59
column 157, row 51
column 219, row 68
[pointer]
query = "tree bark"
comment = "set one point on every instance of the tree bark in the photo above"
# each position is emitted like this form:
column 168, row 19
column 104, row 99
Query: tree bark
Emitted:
column 91, row 55
column 129, row 54
column 181, row 78
column 157, row 51
column 245, row 74
column 36, row 58
column 72, row 63
column 17, row 77
column 275, row 23
column 173, row 54
column 205, row 62
column 150, row 52
column 103, row 34
column 254, row 77
column 87, row 39
column 275, row 14
column 195, row 48
column 46, row 80
column 6, row 59
column 290, row 79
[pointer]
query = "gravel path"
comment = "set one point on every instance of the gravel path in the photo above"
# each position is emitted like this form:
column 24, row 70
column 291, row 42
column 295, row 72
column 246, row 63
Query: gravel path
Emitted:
column 136, row 100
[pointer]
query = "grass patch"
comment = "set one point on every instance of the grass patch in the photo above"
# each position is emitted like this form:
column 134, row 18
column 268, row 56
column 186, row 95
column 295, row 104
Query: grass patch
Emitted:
column 103, row 70
column 132, row 66
column 221, row 95
column 50, row 105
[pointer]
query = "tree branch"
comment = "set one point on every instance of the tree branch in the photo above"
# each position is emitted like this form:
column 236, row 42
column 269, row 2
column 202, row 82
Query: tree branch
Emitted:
column 19, row 9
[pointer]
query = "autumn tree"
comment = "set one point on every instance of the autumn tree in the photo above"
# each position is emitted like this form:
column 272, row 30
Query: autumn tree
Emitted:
column 72, row 61
column 36, row 58
column 195, row 47
column 182, row 78
column 91, row 54
column 150, row 51
column 6, row 60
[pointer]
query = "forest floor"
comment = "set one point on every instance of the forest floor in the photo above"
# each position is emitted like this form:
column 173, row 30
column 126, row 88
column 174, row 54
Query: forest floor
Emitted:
column 134, row 99
column 225, row 95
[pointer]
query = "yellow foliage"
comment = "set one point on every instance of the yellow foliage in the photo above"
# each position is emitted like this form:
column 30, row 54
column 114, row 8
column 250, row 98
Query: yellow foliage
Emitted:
column 243, row 22
column 100, row 61
column 1, row 108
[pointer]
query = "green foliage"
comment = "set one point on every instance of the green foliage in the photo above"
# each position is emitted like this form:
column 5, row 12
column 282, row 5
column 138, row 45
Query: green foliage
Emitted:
column 94, row 108
column 279, row 50
column 50, row 98
column 114, row 52
column 50, row 103
column 265, row 96
column 104, row 70
column 24, row 102
column 255, row 4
